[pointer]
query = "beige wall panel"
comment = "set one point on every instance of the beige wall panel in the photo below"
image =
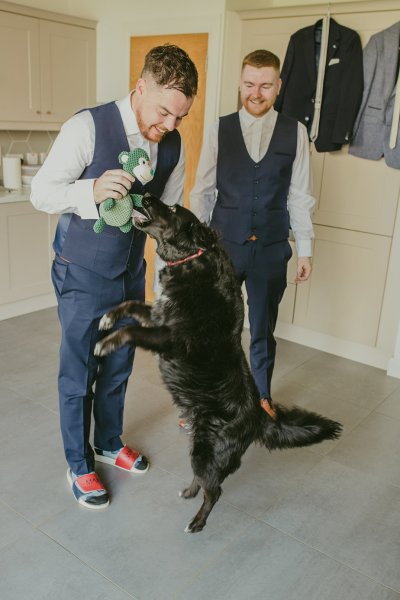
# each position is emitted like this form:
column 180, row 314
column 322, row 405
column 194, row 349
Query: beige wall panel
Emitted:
column 19, row 68
column 343, row 298
column 272, row 34
column 24, row 247
column 286, row 307
column 358, row 194
column 25, row 250
column 366, row 24
column 67, row 69
column 317, row 169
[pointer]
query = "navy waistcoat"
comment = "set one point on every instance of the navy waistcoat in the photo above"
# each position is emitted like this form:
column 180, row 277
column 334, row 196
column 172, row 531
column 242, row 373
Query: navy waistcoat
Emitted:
column 252, row 196
column 112, row 252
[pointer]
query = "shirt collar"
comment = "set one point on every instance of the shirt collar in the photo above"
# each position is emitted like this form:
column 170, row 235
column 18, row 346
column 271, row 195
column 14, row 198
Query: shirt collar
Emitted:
column 247, row 119
column 128, row 116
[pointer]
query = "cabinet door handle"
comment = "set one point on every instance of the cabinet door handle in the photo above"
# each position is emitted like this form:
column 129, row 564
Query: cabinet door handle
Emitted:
column 38, row 112
column 48, row 112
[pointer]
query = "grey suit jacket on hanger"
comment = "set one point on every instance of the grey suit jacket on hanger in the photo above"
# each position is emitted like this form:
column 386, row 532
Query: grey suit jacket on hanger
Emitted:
column 374, row 120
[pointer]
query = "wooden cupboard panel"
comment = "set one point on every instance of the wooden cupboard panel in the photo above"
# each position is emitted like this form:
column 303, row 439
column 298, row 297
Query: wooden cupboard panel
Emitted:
column 67, row 69
column 24, row 252
column 47, row 71
column 286, row 307
column 317, row 171
column 292, row 265
column 358, row 194
column 19, row 68
column 272, row 34
column 344, row 296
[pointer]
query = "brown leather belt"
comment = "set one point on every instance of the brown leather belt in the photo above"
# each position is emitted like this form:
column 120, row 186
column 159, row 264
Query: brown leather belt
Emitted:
column 252, row 238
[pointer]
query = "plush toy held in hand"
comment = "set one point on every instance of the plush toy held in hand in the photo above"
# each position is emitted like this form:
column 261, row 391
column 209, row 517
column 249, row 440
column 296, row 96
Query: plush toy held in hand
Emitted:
column 118, row 213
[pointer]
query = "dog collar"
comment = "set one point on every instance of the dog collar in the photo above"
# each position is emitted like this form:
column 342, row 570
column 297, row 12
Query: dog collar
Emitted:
column 183, row 260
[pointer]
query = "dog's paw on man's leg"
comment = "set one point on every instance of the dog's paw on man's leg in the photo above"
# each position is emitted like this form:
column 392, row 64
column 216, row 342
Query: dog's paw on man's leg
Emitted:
column 106, row 322
column 108, row 344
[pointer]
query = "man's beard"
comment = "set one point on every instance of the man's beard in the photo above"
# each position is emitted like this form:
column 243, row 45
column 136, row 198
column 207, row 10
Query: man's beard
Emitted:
column 149, row 133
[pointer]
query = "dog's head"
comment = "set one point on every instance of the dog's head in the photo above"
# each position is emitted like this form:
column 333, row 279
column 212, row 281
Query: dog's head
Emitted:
column 177, row 231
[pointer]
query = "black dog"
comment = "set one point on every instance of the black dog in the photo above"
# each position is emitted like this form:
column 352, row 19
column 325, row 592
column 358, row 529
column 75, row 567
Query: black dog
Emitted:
column 195, row 327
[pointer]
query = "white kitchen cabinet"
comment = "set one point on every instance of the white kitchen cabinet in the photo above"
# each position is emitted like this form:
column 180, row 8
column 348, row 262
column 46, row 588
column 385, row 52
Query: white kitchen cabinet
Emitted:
column 26, row 236
column 47, row 71
column 343, row 298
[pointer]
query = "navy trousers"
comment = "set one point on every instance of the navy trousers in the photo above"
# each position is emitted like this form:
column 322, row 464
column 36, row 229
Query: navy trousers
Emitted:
column 88, row 385
column 263, row 269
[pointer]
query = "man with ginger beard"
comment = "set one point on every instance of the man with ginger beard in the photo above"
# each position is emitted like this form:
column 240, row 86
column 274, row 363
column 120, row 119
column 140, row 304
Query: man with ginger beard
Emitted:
column 253, row 177
column 91, row 272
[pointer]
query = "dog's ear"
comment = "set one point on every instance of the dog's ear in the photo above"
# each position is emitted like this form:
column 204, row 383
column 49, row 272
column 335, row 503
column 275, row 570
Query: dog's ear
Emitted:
column 202, row 236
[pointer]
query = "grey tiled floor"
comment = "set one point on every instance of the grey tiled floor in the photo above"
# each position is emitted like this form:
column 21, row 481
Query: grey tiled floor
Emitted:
column 321, row 523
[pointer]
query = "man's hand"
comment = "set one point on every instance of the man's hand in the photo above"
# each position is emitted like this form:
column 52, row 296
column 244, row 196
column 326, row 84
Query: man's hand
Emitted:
column 304, row 269
column 112, row 184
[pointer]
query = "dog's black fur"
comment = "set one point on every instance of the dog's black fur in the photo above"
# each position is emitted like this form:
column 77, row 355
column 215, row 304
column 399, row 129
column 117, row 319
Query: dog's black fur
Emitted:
column 195, row 327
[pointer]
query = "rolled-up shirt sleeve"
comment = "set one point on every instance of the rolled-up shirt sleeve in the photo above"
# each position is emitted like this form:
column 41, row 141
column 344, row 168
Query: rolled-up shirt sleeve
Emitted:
column 203, row 194
column 56, row 188
column 301, row 201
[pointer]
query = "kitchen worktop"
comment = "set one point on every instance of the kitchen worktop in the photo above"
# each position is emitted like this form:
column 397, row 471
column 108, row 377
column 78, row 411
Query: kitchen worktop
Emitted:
column 21, row 195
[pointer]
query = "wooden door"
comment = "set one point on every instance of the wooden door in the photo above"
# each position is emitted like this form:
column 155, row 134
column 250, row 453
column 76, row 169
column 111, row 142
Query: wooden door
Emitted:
column 191, row 128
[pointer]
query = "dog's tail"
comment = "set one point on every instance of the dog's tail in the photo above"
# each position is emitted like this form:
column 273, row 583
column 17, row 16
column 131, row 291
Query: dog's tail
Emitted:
column 293, row 427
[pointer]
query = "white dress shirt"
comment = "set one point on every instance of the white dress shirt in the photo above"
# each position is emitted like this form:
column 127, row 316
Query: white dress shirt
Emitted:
column 257, row 133
column 56, row 188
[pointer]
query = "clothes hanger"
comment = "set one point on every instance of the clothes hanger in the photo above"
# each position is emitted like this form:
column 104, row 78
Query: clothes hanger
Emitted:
column 327, row 16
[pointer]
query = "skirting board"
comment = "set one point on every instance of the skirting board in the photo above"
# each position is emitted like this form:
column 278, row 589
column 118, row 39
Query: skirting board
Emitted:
column 357, row 352
column 22, row 307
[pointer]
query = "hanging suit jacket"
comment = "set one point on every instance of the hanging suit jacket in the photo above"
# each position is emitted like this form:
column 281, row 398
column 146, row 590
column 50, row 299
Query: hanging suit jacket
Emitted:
column 343, row 83
column 373, row 123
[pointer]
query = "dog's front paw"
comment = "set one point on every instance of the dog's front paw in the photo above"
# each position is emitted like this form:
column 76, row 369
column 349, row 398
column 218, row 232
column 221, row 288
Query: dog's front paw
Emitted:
column 101, row 349
column 106, row 322
column 194, row 526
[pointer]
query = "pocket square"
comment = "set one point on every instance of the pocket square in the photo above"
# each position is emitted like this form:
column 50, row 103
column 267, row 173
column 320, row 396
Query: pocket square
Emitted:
column 333, row 61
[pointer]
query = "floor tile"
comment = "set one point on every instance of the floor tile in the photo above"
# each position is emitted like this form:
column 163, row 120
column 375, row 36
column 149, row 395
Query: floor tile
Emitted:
column 139, row 541
column 37, row 568
column 346, row 514
column 322, row 402
column 350, row 381
column 12, row 526
column 264, row 563
column 391, row 406
column 373, row 447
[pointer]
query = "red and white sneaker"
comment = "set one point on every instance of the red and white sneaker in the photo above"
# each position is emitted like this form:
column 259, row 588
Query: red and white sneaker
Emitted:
column 88, row 490
column 125, row 459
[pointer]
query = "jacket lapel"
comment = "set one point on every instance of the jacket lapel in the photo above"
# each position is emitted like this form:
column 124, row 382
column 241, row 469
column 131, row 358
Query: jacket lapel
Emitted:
column 333, row 41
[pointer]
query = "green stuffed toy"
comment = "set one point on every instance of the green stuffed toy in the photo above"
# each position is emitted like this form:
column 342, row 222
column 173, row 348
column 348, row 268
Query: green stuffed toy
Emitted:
column 118, row 213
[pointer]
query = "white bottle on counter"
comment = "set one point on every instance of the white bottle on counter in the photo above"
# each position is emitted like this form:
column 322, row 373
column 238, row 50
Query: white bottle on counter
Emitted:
column 12, row 172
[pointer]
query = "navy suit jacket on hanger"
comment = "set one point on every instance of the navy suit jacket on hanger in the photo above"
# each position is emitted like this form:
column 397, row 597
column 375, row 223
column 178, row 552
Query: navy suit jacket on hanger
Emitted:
column 343, row 83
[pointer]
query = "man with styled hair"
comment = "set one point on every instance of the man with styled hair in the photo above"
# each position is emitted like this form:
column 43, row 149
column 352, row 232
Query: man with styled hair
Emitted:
column 253, row 183
column 91, row 272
